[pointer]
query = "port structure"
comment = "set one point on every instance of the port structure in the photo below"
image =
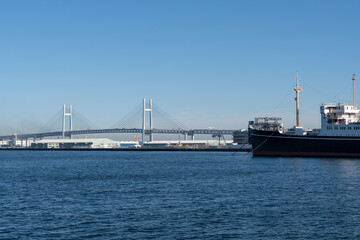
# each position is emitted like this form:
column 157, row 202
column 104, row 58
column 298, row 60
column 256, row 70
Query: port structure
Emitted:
column 67, row 130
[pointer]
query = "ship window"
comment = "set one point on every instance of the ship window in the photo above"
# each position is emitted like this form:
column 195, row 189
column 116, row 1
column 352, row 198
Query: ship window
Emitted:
column 349, row 127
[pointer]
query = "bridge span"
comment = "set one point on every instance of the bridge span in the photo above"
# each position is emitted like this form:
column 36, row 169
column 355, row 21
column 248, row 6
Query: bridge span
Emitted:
column 186, row 133
column 164, row 124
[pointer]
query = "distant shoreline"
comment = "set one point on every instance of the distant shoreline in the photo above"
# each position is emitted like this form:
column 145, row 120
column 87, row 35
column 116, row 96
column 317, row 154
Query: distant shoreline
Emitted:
column 132, row 149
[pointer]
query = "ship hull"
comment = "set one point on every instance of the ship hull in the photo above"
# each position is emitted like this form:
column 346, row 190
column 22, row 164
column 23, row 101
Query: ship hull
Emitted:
column 274, row 143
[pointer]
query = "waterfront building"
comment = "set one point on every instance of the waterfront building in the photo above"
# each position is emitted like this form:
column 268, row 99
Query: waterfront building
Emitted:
column 75, row 143
column 185, row 143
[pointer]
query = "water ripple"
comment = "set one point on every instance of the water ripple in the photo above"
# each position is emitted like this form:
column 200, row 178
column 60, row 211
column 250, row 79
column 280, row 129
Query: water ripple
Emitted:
column 167, row 195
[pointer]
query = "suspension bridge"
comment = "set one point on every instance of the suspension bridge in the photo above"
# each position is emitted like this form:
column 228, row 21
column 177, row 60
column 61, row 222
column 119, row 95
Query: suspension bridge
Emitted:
column 146, row 119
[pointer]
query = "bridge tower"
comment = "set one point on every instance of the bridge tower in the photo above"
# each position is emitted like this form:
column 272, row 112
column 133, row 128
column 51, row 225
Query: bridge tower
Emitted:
column 144, row 120
column 65, row 114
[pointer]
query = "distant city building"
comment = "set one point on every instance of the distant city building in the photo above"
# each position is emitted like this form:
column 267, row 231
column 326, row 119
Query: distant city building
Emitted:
column 15, row 143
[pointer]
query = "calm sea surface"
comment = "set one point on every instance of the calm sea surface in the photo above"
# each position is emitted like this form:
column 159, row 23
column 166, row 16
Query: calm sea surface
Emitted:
column 176, row 195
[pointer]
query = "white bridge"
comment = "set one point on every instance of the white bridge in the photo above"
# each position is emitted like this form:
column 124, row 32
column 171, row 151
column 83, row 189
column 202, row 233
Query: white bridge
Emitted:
column 164, row 125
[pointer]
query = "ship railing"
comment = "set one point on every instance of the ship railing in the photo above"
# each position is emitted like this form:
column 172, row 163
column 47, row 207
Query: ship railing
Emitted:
column 267, row 127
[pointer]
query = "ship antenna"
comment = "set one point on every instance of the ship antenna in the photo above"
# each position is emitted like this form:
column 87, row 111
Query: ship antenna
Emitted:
column 297, row 90
column 353, row 78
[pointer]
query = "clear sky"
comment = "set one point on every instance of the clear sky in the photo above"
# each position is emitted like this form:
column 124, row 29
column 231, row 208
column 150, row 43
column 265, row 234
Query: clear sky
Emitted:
column 206, row 63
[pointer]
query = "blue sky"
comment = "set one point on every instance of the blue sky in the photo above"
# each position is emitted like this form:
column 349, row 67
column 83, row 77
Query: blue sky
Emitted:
column 206, row 63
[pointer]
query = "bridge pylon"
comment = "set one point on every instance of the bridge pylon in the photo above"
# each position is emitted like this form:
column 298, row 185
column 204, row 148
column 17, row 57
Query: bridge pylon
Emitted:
column 66, row 114
column 144, row 120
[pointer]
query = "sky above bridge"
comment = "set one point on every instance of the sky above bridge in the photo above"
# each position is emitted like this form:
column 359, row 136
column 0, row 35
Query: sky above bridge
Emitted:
column 206, row 63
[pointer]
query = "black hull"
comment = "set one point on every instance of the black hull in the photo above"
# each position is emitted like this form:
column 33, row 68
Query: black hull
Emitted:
column 270, row 143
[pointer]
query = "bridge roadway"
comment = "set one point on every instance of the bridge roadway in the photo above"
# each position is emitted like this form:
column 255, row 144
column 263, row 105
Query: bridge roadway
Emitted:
column 216, row 132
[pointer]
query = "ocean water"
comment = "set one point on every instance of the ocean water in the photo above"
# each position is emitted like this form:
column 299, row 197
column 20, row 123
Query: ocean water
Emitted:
column 176, row 195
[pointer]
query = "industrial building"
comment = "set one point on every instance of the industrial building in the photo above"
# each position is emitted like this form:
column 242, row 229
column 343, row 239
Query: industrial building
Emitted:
column 75, row 143
column 185, row 143
column 241, row 136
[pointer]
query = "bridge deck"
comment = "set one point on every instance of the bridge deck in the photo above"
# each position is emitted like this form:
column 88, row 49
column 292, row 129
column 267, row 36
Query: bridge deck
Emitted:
column 121, row 130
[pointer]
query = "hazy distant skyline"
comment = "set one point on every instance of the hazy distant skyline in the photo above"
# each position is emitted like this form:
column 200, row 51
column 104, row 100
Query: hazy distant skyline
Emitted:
column 206, row 63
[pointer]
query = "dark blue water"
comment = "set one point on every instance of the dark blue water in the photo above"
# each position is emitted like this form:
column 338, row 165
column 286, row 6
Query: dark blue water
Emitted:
column 176, row 195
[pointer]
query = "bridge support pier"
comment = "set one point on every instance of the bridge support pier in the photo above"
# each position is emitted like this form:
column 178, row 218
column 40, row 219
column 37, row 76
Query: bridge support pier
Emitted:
column 64, row 120
column 144, row 122
column 185, row 136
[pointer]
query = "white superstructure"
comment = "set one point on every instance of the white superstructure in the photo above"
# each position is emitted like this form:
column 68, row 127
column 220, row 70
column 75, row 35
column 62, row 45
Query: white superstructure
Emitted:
column 339, row 120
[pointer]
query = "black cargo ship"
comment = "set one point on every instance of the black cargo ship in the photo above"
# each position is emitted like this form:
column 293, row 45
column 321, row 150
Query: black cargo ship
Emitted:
column 339, row 135
column 268, row 143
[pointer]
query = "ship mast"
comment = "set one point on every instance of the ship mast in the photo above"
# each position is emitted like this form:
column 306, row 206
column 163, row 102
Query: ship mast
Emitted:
column 353, row 78
column 297, row 90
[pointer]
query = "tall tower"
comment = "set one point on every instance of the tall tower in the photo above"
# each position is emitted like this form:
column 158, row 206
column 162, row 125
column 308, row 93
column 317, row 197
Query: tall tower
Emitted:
column 69, row 114
column 297, row 90
column 144, row 120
